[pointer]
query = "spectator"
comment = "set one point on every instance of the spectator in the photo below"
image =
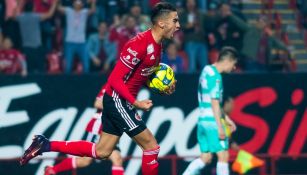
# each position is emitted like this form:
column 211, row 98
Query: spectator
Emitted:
column 54, row 60
column 236, row 8
column 112, row 9
column 144, row 5
column 11, row 8
column 143, row 21
column 10, row 26
column 29, row 23
column 75, row 42
column 100, row 49
column 98, row 16
column 228, row 33
column 172, row 58
column 122, row 33
column 178, row 40
column 41, row 7
column 258, row 41
column 212, row 20
column 192, row 22
column 11, row 60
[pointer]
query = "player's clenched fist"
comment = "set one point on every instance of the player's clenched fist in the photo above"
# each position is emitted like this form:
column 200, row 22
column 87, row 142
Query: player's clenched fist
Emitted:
column 143, row 104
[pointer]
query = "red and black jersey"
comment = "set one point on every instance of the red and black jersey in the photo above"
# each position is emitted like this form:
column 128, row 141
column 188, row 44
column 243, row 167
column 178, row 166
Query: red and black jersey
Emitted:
column 138, row 58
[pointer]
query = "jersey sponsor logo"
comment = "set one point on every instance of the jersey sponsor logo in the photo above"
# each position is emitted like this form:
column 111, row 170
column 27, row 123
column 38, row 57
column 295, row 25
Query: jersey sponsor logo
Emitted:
column 126, row 57
column 135, row 61
column 132, row 52
column 150, row 49
column 152, row 57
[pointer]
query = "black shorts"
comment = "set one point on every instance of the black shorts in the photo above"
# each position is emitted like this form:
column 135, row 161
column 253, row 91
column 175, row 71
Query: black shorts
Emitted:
column 120, row 116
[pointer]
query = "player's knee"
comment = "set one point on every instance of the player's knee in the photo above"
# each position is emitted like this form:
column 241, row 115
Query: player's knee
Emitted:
column 83, row 162
column 103, row 154
column 223, row 156
column 206, row 158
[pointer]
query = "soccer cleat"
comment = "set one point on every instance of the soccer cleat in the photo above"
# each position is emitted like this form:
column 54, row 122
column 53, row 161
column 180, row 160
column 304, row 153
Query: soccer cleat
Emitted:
column 39, row 145
column 49, row 170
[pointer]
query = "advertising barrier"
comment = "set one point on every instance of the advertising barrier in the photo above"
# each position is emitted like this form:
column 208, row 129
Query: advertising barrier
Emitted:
column 270, row 112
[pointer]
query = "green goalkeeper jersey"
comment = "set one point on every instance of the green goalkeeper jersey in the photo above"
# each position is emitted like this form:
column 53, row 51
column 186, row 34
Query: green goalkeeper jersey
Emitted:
column 210, row 87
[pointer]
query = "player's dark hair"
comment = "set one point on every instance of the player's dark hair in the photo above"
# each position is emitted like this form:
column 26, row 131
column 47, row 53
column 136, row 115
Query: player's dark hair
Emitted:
column 161, row 9
column 228, row 53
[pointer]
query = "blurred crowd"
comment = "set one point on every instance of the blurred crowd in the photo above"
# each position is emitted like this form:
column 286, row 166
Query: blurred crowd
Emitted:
column 82, row 36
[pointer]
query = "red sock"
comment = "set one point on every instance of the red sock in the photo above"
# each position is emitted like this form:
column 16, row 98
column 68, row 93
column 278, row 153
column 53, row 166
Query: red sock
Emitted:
column 117, row 170
column 150, row 164
column 65, row 165
column 76, row 148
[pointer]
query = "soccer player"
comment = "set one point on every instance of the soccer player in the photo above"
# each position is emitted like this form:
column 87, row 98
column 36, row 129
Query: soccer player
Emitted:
column 138, row 60
column 93, row 131
column 210, row 131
